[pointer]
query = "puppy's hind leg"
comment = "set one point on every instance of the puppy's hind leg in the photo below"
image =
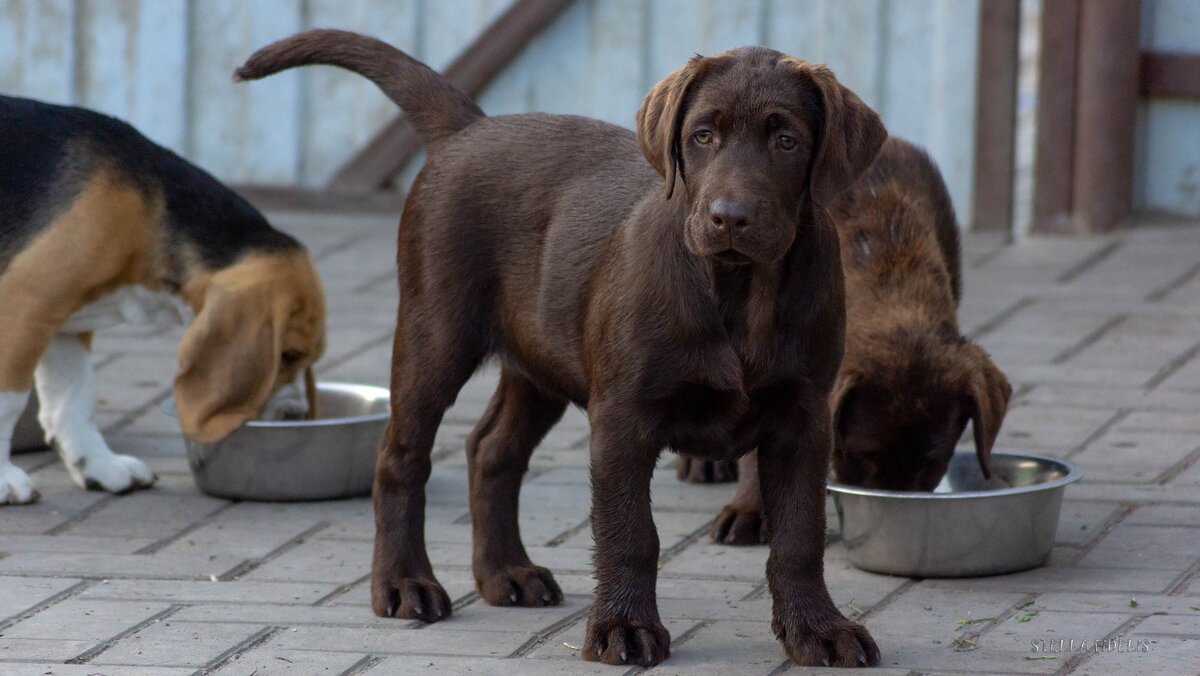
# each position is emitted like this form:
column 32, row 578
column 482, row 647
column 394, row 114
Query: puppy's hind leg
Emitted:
column 434, row 355
column 68, row 396
column 498, row 451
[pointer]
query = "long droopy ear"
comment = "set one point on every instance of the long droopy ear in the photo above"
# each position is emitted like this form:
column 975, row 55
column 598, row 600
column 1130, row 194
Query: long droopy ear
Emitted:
column 660, row 118
column 988, row 393
column 228, row 360
column 851, row 135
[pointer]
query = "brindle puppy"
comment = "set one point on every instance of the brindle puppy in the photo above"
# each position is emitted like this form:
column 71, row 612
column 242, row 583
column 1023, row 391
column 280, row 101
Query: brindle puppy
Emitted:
column 909, row 382
column 690, row 299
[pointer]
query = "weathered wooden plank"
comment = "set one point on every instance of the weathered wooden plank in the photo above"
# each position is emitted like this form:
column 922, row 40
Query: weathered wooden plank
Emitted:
column 996, row 117
column 1168, row 163
column 1055, row 143
column 954, row 125
column 682, row 28
column 797, row 27
column 386, row 153
column 159, row 106
column 908, row 93
column 47, row 57
column 560, row 63
column 618, row 59
column 342, row 110
column 1106, row 111
column 854, row 37
column 12, row 38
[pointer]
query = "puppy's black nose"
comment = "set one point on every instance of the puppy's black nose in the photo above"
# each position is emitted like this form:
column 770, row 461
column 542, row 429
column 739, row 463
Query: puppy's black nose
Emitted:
column 727, row 214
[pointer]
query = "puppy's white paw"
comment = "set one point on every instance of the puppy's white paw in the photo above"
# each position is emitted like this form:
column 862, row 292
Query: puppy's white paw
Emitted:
column 16, row 488
column 111, row 472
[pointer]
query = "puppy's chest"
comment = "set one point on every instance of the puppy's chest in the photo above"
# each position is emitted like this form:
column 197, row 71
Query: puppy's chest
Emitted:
column 134, row 305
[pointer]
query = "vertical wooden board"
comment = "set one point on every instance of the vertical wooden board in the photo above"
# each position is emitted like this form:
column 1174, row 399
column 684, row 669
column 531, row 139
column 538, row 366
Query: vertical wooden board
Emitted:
column 48, row 50
column 159, row 104
column 908, row 95
column 1167, row 170
column 952, row 134
column 680, row 29
column 273, row 144
column 854, row 31
column 243, row 132
column 12, row 46
column 447, row 27
column 511, row 91
column 560, row 62
column 104, row 78
column 217, row 108
column 1170, row 161
column 343, row 110
column 1171, row 25
column 618, row 61
column 797, row 27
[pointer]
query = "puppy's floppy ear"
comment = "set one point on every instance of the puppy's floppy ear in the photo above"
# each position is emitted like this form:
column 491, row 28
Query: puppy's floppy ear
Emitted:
column 851, row 135
column 228, row 360
column 837, row 398
column 660, row 119
column 988, row 393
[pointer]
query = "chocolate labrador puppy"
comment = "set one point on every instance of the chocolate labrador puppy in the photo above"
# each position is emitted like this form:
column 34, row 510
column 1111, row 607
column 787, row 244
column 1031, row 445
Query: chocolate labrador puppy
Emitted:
column 674, row 283
column 909, row 382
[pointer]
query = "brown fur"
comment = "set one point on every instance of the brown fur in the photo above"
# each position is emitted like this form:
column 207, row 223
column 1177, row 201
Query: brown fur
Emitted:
column 909, row 382
column 697, row 307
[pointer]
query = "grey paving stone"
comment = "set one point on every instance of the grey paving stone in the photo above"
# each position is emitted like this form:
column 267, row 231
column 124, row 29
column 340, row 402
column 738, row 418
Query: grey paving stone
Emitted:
column 398, row 641
column 85, row 619
column 157, row 566
column 173, row 643
column 436, row 664
column 56, row 669
column 73, row 544
column 18, row 594
column 1163, row 547
column 267, row 662
column 207, row 591
column 57, row 649
column 1164, row 655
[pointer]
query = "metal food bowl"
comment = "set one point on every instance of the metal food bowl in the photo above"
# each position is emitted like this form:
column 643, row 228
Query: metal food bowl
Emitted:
column 28, row 435
column 968, row 526
column 328, row 458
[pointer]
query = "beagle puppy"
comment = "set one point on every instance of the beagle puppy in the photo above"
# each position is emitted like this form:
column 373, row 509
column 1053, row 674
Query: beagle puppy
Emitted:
column 99, row 227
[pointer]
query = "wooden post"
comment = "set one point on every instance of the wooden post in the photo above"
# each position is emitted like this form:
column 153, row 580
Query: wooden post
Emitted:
column 1106, row 112
column 996, row 115
column 1055, row 143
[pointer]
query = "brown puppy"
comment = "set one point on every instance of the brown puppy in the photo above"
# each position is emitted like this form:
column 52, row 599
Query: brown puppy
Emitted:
column 702, row 313
column 909, row 382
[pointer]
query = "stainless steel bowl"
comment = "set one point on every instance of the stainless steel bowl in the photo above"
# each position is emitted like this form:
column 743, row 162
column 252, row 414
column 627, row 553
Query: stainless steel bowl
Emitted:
column 327, row 458
column 968, row 526
column 28, row 435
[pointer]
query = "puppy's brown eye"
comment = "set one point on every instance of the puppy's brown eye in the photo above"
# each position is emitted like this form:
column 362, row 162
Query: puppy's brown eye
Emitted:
column 786, row 142
column 703, row 137
column 291, row 357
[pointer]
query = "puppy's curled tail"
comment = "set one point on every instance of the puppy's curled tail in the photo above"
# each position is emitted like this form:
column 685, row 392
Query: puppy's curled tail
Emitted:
column 435, row 107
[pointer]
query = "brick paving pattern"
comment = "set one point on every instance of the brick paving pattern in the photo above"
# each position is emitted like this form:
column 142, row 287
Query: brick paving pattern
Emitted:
column 1099, row 336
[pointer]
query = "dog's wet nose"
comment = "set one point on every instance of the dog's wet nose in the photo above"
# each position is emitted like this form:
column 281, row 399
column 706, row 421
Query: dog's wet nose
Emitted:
column 730, row 215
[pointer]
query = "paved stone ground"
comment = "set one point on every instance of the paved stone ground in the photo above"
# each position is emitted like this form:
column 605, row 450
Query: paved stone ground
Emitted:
column 1099, row 335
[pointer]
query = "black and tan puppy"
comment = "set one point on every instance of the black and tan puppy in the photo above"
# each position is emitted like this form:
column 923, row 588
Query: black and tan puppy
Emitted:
column 909, row 382
column 693, row 302
column 100, row 227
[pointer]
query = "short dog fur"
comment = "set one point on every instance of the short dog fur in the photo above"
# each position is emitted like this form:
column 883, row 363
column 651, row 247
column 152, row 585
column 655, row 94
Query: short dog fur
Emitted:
column 675, row 284
column 909, row 381
column 100, row 227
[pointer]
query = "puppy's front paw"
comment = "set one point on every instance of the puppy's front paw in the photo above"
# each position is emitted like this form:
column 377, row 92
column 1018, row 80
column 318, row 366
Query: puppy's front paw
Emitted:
column 519, row 586
column 737, row 525
column 409, row 597
column 825, row 638
column 16, row 488
column 699, row 471
column 111, row 472
column 626, row 641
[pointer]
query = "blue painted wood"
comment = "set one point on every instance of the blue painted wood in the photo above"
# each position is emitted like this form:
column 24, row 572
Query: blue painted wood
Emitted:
column 1167, row 165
